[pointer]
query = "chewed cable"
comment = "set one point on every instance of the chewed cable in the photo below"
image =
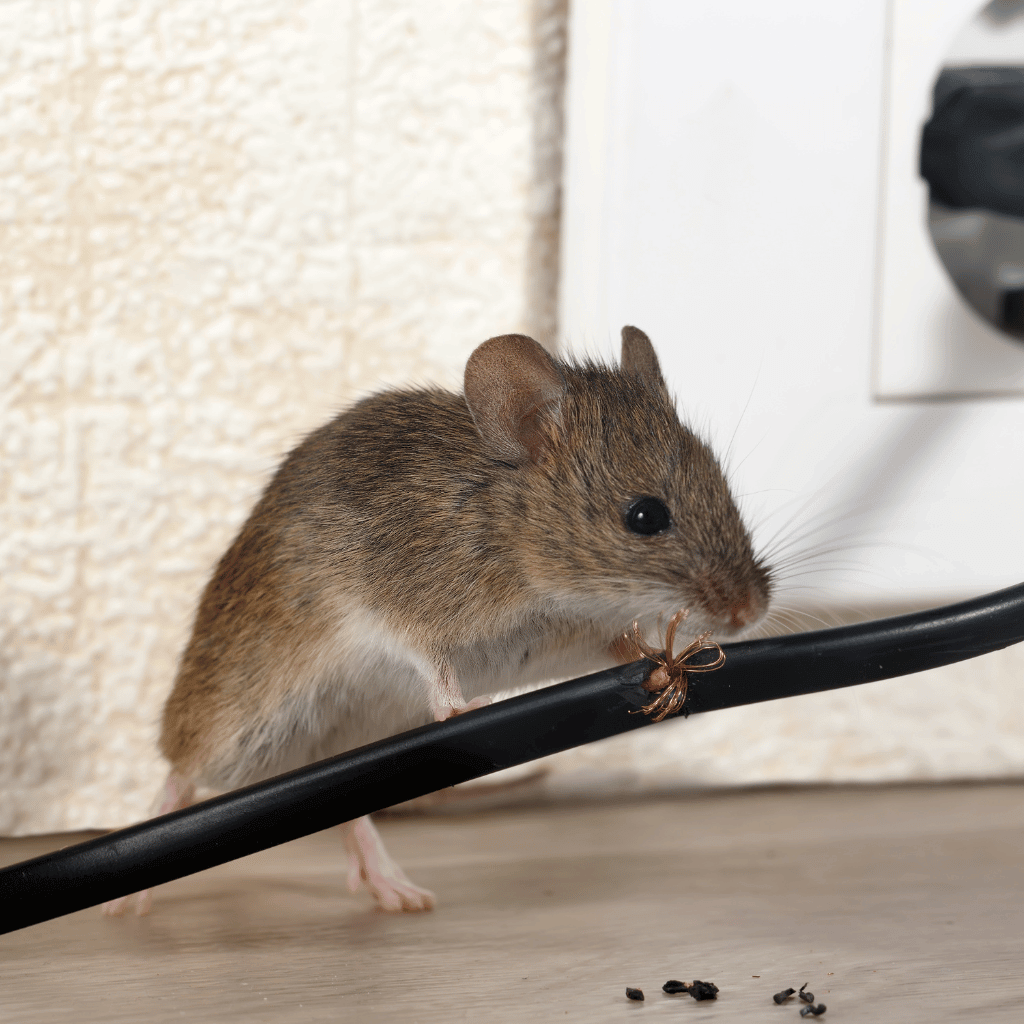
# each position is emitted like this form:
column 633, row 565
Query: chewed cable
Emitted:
column 480, row 742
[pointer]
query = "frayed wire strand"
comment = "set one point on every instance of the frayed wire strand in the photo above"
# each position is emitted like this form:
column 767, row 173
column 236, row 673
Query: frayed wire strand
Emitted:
column 669, row 677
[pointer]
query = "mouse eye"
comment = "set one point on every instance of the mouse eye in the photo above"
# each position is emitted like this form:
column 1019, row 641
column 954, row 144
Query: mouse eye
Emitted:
column 647, row 516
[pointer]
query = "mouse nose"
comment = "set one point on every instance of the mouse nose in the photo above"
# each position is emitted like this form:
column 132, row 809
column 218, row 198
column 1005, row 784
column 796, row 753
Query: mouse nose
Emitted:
column 746, row 610
column 733, row 604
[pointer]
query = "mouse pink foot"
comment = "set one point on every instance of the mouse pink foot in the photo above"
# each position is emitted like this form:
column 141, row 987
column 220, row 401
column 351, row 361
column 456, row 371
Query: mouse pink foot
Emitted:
column 445, row 695
column 178, row 793
column 370, row 862
column 441, row 714
column 143, row 904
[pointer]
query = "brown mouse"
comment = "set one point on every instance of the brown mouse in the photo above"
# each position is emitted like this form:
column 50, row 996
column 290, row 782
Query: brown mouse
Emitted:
column 424, row 550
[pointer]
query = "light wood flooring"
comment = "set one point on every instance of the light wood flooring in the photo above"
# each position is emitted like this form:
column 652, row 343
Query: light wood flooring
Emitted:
column 903, row 904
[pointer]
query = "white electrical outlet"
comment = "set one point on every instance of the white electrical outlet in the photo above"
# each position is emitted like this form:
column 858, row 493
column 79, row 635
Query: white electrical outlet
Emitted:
column 929, row 343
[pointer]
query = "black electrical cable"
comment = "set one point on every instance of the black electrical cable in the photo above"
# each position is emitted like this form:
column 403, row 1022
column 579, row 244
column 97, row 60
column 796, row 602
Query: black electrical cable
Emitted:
column 508, row 733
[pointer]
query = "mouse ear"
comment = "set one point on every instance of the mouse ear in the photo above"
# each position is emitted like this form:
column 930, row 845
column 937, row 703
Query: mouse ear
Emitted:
column 639, row 358
column 514, row 389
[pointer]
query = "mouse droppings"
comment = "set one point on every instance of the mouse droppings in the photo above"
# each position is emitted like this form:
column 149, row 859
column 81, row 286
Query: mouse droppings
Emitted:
column 781, row 997
column 700, row 990
column 813, row 1011
column 635, row 993
column 806, row 997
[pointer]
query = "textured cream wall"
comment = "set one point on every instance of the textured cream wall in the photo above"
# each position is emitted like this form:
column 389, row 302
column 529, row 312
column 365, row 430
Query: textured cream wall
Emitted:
column 220, row 221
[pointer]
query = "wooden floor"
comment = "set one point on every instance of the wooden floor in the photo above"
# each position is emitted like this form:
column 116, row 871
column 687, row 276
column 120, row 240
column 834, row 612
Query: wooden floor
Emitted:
column 893, row 904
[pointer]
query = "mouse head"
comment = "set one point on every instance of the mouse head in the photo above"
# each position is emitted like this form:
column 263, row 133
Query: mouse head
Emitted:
column 614, row 508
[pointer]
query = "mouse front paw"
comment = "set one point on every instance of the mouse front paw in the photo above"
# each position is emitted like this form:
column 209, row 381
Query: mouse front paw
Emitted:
column 444, row 713
column 445, row 695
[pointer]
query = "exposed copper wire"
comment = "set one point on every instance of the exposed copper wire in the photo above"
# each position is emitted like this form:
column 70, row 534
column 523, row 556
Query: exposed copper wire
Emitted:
column 669, row 677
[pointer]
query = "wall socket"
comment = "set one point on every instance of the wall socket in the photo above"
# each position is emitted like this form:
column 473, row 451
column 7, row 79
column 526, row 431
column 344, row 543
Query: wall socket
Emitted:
column 929, row 342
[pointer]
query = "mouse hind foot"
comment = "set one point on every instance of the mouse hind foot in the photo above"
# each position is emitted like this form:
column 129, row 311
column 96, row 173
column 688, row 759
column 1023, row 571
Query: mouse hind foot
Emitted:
column 178, row 792
column 143, row 904
column 370, row 863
